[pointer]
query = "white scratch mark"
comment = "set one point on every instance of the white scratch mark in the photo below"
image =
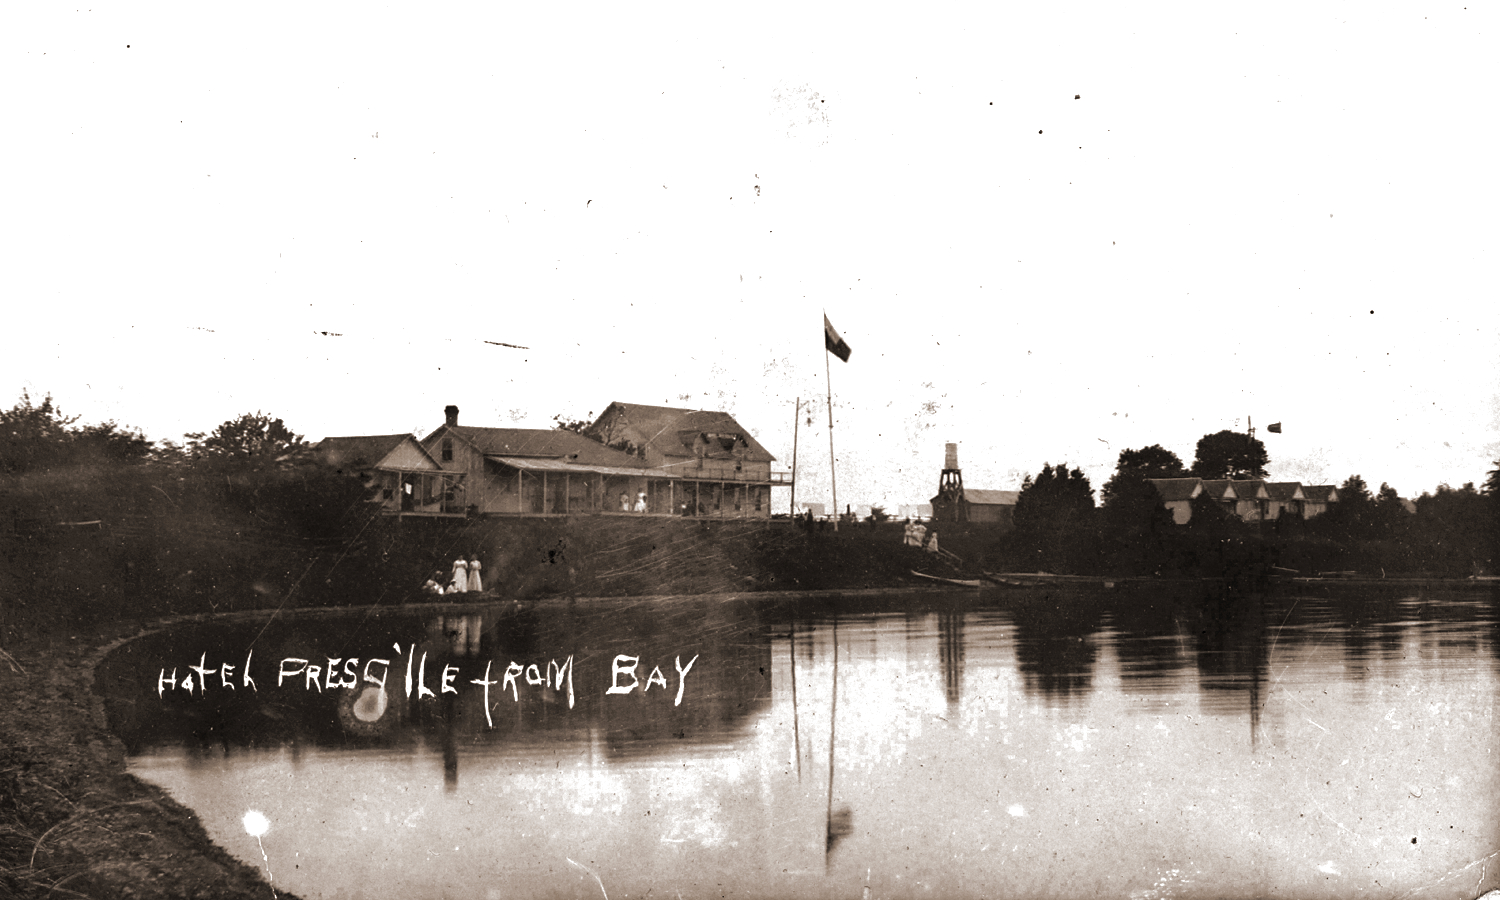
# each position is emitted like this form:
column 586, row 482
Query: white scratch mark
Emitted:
column 591, row 872
column 1317, row 726
column 1338, row 823
column 1482, row 862
column 256, row 824
column 1329, row 868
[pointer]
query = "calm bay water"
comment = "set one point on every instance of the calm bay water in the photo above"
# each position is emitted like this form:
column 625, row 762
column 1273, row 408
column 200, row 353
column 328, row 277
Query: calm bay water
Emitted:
column 1144, row 743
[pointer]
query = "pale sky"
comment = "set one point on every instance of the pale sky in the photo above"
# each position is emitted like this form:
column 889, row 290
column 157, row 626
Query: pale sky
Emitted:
column 1050, row 232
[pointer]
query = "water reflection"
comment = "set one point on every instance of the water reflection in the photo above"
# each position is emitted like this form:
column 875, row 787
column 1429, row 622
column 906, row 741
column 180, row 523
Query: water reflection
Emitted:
column 490, row 681
column 1056, row 644
column 1142, row 741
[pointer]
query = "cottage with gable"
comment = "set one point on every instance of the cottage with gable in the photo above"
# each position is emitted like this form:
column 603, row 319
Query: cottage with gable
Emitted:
column 1319, row 498
column 1251, row 500
column 404, row 475
column 1221, row 491
column 1287, row 498
column 1177, row 495
column 706, row 462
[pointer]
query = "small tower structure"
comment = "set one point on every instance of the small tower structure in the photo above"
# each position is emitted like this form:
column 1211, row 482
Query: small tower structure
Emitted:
column 949, row 505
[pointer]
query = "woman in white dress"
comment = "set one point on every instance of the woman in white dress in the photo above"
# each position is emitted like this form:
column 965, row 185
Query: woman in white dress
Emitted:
column 476, row 584
column 460, row 582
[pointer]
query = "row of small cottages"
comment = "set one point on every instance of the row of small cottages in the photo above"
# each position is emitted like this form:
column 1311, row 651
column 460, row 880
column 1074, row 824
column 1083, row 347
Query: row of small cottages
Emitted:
column 1251, row 500
column 646, row 460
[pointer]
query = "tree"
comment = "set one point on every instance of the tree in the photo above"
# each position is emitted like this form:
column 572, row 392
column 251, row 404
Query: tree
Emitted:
column 37, row 436
column 1055, row 496
column 605, row 434
column 109, row 442
column 1054, row 517
column 33, row 436
column 581, row 426
column 1229, row 454
column 1355, row 495
column 1452, row 530
column 1353, row 515
column 1135, row 466
column 1390, row 512
column 1492, row 494
column 1154, row 461
column 251, row 436
column 1133, row 522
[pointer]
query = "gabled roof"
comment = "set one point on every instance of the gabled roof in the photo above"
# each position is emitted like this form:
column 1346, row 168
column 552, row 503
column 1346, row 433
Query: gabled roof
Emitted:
column 1250, row 489
column 1320, row 493
column 991, row 498
column 1220, row 489
column 1174, row 489
column 538, row 443
column 1285, row 491
column 673, row 432
column 364, row 452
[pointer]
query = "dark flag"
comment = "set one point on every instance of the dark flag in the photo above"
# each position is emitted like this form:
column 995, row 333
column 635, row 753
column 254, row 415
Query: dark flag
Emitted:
column 1274, row 428
column 833, row 342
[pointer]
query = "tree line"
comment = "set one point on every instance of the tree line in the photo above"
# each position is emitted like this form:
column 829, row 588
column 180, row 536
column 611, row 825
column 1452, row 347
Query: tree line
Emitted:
column 1454, row 532
column 39, row 437
column 97, row 520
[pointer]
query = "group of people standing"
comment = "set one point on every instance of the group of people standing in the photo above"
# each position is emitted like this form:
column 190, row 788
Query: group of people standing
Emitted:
column 465, row 578
column 918, row 535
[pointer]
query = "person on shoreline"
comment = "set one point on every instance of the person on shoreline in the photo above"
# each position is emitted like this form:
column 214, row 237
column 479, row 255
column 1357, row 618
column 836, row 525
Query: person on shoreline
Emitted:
column 476, row 584
column 460, row 581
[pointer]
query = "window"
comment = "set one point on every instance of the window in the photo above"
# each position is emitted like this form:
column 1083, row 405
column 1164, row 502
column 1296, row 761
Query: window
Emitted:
column 447, row 450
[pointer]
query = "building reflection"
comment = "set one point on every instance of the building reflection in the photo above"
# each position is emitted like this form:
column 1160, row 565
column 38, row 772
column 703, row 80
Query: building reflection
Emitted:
column 951, row 653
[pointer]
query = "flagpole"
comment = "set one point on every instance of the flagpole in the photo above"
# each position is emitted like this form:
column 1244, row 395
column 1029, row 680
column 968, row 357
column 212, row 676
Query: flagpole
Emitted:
column 833, row 715
column 796, row 728
column 796, row 416
column 832, row 466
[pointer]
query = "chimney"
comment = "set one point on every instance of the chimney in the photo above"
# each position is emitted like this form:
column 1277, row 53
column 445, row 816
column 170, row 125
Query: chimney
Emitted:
column 451, row 412
column 950, row 459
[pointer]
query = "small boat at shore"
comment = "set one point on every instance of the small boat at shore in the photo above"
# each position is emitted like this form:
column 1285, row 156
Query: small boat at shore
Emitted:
column 961, row 582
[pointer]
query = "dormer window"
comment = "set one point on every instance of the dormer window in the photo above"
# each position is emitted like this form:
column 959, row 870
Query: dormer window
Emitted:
column 447, row 449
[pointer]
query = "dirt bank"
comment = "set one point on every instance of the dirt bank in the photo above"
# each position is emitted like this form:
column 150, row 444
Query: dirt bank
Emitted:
column 72, row 823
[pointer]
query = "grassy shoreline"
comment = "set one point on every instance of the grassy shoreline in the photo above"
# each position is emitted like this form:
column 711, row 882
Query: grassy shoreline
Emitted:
column 73, row 823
